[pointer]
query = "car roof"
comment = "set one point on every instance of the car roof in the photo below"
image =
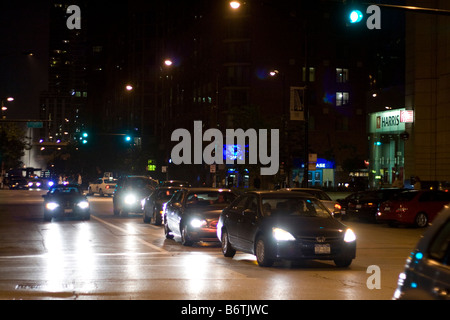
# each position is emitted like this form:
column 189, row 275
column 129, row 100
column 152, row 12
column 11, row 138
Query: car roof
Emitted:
column 204, row 189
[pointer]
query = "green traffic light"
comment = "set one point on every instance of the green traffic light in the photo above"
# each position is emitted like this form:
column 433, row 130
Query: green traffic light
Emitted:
column 355, row 16
column 127, row 138
column 85, row 134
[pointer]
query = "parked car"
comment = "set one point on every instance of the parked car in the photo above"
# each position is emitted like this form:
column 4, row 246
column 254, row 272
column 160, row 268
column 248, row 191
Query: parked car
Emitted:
column 65, row 200
column 284, row 225
column 129, row 193
column 427, row 273
column 102, row 186
column 366, row 206
column 192, row 213
column 413, row 207
column 154, row 203
column 331, row 205
column 175, row 183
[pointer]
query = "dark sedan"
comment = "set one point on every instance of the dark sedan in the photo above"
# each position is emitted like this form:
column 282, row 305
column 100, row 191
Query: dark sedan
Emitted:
column 154, row 203
column 65, row 200
column 284, row 225
column 192, row 213
column 366, row 206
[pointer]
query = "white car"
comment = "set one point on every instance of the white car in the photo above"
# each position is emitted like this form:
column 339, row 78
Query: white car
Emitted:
column 102, row 186
column 331, row 205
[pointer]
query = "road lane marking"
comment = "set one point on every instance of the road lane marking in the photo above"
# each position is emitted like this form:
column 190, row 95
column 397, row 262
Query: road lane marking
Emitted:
column 148, row 244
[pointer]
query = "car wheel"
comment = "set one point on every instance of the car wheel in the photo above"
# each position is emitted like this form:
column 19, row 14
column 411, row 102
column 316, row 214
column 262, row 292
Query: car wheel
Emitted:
column 167, row 231
column 421, row 220
column 227, row 249
column 343, row 262
column 262, row 253
column 185, row 240
column 145, row 216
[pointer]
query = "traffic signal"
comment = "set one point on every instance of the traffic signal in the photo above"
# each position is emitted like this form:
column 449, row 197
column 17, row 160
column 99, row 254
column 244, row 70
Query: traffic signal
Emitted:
column 84, row 137
column 127, row 138
column 355, row 16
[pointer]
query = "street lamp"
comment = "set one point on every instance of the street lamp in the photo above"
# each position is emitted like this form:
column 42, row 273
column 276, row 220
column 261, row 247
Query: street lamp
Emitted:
column 168, row 62
column 235, row 5
column 4, row 108
column 129, row 87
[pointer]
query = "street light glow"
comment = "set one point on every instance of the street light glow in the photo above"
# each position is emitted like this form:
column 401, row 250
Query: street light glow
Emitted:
column 129, row 87
column 235, row 4
column 10, row 99
column 168, row 62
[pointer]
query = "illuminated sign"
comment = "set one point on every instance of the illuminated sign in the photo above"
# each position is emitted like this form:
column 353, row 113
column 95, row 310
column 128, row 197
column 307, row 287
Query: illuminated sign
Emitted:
column 390, row 121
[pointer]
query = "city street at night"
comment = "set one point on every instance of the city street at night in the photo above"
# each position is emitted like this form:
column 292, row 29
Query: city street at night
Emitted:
column 112, row 257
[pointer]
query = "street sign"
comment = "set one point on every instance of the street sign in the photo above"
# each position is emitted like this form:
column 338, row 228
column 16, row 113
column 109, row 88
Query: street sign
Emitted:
column 35, row 124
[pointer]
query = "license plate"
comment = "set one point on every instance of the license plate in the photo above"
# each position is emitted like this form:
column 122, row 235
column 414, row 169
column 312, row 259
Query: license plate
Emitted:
column 358, row 206
column 322, row 249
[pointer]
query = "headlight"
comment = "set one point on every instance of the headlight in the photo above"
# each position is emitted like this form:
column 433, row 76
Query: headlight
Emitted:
column 30, row 184
column 282, row 235
column 130, row 199
column 197, row 223
column 349, row 235
column 83, row 204
column 51, row 205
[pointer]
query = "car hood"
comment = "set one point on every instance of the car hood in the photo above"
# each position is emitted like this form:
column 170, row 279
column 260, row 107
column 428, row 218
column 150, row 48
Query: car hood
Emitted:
column 305, row 227
column 206, row 212
column 64, row 198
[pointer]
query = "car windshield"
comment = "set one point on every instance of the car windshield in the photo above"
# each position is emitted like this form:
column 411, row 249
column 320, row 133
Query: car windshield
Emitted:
column 165, row 194
column 210, row 198
column 64, row 190
column 139, row 183
column 290, row 206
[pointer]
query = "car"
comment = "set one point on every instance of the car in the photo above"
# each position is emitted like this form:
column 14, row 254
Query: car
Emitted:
column 366, row 205
column 331, row 205
column 275, row 225
column 18, row 184
column 102, row 186
column 413, row 207
column 65, row 200
column 426, row 275
column 348, row 199
column 154, row 203
column 35, row 184
column 175, row 183
column 129, row 193
column 192, row 213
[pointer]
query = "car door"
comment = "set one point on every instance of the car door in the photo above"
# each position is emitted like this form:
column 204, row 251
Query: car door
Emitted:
column 248, row 223
column 233, row 214
column 174, row 211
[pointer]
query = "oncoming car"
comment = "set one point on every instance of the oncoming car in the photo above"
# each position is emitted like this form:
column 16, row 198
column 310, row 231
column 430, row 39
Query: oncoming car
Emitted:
column 130, row 192
column 192, row 213
column 284, row 225
column 65, row 200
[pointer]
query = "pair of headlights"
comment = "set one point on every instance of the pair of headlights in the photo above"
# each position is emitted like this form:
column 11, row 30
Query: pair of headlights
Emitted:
column 283, row 235
column 53, row 205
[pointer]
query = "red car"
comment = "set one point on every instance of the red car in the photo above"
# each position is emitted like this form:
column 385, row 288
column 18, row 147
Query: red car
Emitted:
column 413, row 207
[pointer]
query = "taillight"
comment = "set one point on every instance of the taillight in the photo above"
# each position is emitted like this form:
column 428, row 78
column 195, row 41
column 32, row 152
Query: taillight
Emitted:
column 337, row 206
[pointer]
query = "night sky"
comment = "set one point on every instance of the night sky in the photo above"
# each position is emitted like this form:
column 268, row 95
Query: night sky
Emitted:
column 23, row 29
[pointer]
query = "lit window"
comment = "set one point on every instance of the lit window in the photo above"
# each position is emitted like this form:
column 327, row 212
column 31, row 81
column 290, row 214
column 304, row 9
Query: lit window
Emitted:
column 341, row 75
column 342, row 98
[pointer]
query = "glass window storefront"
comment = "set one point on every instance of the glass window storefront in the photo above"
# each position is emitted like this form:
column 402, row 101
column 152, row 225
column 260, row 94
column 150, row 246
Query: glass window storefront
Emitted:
column 387, row 148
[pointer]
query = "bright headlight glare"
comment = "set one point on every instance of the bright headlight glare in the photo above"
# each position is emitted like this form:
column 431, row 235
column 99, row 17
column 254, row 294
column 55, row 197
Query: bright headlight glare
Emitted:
column 282, row 235
column 130, row 199
column 51, row 205
column 349, row 236
column 83, row 204
column 197, row 223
